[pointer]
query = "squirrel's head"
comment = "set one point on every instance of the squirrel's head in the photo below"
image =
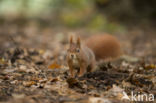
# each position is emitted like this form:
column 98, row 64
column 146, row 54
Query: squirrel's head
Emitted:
column 74, row 48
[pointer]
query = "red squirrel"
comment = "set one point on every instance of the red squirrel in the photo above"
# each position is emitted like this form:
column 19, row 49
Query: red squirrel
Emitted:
column 82, row 57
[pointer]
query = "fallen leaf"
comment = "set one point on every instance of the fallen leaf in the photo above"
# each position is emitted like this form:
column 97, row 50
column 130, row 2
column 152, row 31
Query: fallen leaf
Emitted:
column 54, row 66
column 150, row 66
column 29, row 83
column 2, row 61
column 54, row 80
column 72, row 82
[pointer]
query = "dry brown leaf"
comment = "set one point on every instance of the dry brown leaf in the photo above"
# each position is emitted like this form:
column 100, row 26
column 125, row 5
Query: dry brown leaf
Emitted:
column 29, row 83
column 151, row 66
column 54, row 66
column 2, row 61
column 54, row 80
column 72, row 81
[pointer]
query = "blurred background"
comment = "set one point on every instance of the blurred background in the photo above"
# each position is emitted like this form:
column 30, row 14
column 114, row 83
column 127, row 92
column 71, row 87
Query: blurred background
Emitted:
column 34, row 23
column 34, row 41
column 105, row 15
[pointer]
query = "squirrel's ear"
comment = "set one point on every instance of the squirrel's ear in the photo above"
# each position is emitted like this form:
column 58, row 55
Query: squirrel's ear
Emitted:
column 78, row 41
column 71, row 39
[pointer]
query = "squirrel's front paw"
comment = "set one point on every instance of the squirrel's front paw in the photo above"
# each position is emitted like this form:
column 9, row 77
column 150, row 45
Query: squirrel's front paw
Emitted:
column 80, row 74
column 72, row 75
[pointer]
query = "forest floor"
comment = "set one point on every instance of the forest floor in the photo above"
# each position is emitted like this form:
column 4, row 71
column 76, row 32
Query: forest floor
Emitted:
column 33, row 68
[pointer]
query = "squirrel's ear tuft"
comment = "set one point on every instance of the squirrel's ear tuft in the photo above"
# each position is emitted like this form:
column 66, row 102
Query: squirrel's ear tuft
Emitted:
column 71, row 39
column 78, row 41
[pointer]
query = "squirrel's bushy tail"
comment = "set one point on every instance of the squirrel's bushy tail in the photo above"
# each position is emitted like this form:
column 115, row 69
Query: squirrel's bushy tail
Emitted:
column 104, row 46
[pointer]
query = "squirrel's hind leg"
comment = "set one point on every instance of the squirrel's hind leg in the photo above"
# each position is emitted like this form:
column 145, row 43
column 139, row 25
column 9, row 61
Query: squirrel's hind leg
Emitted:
column 92, row 67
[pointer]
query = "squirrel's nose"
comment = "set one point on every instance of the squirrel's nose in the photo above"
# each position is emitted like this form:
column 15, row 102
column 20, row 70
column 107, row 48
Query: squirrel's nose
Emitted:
column 72, row 55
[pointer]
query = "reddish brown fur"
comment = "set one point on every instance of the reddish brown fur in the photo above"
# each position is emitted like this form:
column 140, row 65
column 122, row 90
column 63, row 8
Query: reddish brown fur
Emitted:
column 104, row 46
column 79, row 56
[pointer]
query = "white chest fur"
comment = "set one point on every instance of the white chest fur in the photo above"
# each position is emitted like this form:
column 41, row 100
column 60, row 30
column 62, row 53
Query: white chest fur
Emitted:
column 75, row 63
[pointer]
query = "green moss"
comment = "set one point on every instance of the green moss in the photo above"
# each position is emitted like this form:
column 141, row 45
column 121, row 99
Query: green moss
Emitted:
column 100, row 23
column 71, row 19
column 80, row 4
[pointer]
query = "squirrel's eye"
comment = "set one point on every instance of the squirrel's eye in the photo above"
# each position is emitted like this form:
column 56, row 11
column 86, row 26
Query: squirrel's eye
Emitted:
column 78, row 50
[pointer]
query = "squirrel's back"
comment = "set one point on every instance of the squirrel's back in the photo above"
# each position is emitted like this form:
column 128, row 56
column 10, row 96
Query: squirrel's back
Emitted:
column 89, row 53
column 104, row 46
